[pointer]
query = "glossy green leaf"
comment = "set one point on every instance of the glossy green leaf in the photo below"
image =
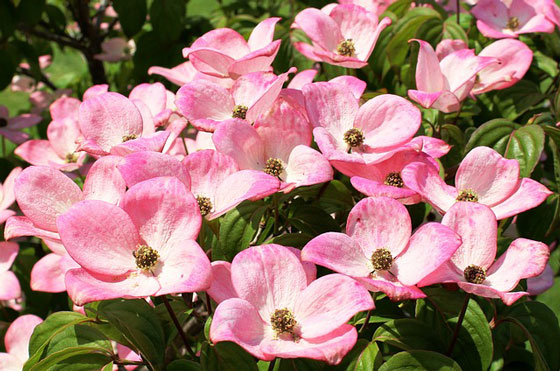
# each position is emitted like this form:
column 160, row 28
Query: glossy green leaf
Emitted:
column 183, row 365
column 516, row 100
column 494, row 133
column 132, row 15
column 408, row 334
column 365, row 356
column 526, row 145
column 167, row 17
column 420, row 360
column 226, row 356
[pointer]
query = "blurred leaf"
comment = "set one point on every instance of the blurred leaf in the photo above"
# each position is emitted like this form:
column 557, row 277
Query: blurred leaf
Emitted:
column 238, row 228
column 183, row 365
column 310, row 219
column 541, row 222
column 56, row 18
column 451, row 30
column 551, row 297
column 7, row 68
column 167, row 17
column 365, row 356
column 226, row 356
column 132, row 15
column 299, row 364
column 420, row 360
column 526, row 145
column 545, row 63
column 408, row 334
column 139, row 324
column 8, row 19
column 298, row 240
column 30, row 11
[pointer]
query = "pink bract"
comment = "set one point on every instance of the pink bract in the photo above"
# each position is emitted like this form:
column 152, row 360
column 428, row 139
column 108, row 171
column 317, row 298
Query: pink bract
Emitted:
column 473, row 266
column 145, row 248
column 224, row 52
column 220, row 186
column 444, row 84
column 483, row 176
column 500, row 19
column 17, row 342
column 10, row 288
column 271, row 283
column 345, row 36
column 10, row 127
column 379, row 251
column 7, row 195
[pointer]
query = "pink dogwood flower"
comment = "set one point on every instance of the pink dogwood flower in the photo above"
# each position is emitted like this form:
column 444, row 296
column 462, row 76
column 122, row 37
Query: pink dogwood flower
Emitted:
column 225, row 53
column 16, row 341
column 206, row 104
column 59, row 151
column 483, row 176
column 145, row 247
column 345, row 36
column 111, row 124
column 444, row 84
column 10, row 127
column 351, row 135
column 155, row 103
column 7, row 195
column 116, row 49
column 10, row 288
column 379, row 251
column 499, row 19
column 384, row 178
column 375, row 6
column 473, row 266
column 258, row 147
column 277, row 314
column 219, row 185
column 185, row 72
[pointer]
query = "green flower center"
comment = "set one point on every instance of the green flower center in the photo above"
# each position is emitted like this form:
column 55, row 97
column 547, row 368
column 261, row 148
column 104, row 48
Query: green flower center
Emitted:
column 204, row 204
column 274, row 167
column 381, row 260
column 71, row 158
column 394, row 179
column 128, row 137
column 354, row 137
column 240, row 112
column 467, row 195
column 475, row 274
column 346, row 48
column 146, row 257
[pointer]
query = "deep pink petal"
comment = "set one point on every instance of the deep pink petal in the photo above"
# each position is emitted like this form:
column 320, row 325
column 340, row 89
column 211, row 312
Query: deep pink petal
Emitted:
column 241, row 141
column 529, row 194
column 222, row 287
column 178, row 75
column 448, row 46
column 96, row 232
column 320, row 28
column 18, row 226
column 396, row 291
column 10, row 288
column 488, row 292
column 429, row 77
column 8, row 253
column 263, row 33
column 154, row 142
column 372, row 188
column 48, row 273
column 301, row 78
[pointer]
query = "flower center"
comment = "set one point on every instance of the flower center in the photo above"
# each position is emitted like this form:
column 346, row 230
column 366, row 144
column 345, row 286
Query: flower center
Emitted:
column 283, row 321
column 240, row 112
column 346, row 48
column 71, row 158
column 513, row 23
column 382, row 260
column 204, row 204
column 354, row 137
column 3, row 122
column 394, row 179
column 128, row 137
column 146, row 257
column 273, row 167
column 467, row 195
column 475, row 274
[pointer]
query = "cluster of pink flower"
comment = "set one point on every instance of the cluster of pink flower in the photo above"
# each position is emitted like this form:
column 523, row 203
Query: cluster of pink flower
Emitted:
column 131, row 231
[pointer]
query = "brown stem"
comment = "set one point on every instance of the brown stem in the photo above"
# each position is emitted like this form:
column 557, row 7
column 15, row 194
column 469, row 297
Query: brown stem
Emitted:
column 177, row 325
column 459, row 324
column 44, row 79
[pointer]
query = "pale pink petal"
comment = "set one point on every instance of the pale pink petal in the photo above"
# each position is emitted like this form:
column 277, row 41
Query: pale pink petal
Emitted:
column 492, row 177
column 18, row 335
column 104, row 182
column 7, row 195
column 10, row 288
column 523, row 259
column 148, row 124
column 374, row 188
column 108, row 118
column 48, row 273
column 95, row 90
column 84, row 287
column 489, row 292
column 460, row 67
column 447, row 272
column 152, row 95
column 309, row 268
column 306, row 166
column 424, row 180
column 433, row 147
column 140, row 166
column 448, row 46
column 429, row 247
column 154, row 142
column 477, row 227
column 164, row 212
column 24, row 121
column 96, row 232
column 258, row 91
column 240, row 141
column 39, row 152
column 8, row 253
column 379, row 223
column 429, row 77
column 388, row 121
column 492, row 17
column 328, row 303
column 5, row 214
column 10, row 362
column 330, row 348
column 186, row 268
column 178, row 75
column 337, row 252
column 529, row 194
column 18, row 226
column 43, row 193
column 396, row 291
column 262, row 34
column 353, row 83
column 302, row 78
column 320, row 28
column 238, row 321
column 222, row 287
column 269, row 277
column 62, row 135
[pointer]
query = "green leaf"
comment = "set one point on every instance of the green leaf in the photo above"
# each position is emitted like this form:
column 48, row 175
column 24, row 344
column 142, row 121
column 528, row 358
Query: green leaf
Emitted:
column 55, row 324
column 167, row 17
column 30, row 11
column 80, row 361
column 7, row 68
column 140, row 325
column 132, row 15
column 545, row 63
column 299, row 364
column 238, row 228
column 404, row 30
column 516, row 100
column 420, row 360
column 292, row 239
column 365, row 356
column 7, row 22
column 183, row 365
column 408, row 334
column 551, row 297
column 310, row 219
column 400, row 7
column 541, row 222
column 526, row 145
column 451, row 30
column 541, row 327
column 494, row 133
column 226, row 356
column 56, row 17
